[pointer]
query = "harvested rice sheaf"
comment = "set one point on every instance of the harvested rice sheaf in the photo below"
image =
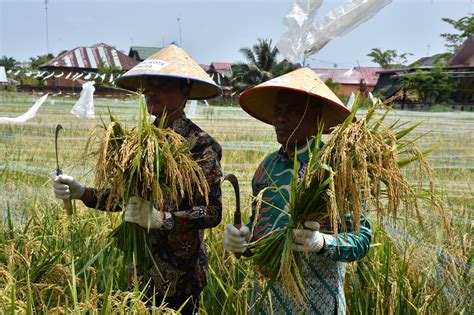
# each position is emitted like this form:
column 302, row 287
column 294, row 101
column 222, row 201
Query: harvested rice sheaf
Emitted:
column 150, row 162
column 358, row 168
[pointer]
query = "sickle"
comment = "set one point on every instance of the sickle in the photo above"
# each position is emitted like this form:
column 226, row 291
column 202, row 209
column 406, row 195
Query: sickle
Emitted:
column 237, row 214
column 66, row 202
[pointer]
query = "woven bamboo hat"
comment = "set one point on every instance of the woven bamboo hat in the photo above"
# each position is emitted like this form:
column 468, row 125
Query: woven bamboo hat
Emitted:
column 171, row 62
column 259, row 101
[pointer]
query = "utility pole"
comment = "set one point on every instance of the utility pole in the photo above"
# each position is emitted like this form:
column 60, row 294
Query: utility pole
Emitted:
column 179, row 26
column 47, row 29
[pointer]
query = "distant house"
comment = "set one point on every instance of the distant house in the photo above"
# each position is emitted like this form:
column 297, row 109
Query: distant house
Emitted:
column 221, row 73
column 140, row 53
column 460, row 68
column 430, row 61
column 71, row 68
column 351, row 80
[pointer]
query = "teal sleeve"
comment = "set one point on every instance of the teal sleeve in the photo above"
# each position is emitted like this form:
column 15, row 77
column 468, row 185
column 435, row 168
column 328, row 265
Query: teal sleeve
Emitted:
column 254, row 206
column 349, row 246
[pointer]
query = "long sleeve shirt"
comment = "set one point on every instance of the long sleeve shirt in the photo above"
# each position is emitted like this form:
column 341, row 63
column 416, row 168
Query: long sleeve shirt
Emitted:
column 323, row 272
column 178, row 248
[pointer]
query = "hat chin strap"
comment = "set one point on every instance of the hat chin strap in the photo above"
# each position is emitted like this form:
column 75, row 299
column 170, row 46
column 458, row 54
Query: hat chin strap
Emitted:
column 178, row 109
column 297, row 126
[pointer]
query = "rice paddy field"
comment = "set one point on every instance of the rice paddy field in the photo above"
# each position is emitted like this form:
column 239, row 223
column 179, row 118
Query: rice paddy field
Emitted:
column 52, row 263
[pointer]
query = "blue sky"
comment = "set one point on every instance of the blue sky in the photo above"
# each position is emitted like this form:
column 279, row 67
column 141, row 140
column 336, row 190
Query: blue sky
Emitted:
column 215, row 30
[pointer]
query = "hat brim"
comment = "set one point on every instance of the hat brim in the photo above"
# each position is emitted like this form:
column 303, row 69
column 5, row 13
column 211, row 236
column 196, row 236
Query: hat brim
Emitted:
column 259, row 102
column 199, row 91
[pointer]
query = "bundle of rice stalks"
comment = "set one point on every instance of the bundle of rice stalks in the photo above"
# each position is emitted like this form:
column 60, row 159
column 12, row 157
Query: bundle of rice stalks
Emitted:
column 150, row 162
column 359, row 167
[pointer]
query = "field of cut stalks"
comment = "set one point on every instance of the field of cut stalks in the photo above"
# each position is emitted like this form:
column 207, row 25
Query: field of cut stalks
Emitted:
column 51, row 263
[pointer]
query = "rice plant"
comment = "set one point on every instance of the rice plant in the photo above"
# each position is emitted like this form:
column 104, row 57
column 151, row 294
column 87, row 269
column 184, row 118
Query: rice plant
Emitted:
column 150, row 162
column 408, row 270
column 358, row 167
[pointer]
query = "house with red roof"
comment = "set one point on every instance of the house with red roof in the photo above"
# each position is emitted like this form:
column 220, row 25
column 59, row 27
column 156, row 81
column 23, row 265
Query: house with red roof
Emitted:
column 72, row 68
column 351, row 80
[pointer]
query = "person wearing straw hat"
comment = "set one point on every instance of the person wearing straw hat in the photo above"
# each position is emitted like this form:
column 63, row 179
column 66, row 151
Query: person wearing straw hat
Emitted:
column 295, row 104
column 169, row 78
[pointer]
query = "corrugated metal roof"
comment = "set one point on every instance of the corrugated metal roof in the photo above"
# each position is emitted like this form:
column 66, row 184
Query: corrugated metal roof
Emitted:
column 221, row 65
column 350, row 76
column 143, row 52
column 91, row 57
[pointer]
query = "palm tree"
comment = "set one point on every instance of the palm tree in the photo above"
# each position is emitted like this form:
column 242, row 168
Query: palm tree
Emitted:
column 261, row 66
column 8, row 63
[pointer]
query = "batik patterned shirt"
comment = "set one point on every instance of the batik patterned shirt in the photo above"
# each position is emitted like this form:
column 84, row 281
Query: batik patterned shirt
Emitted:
column 323, row 272
column 178, row 247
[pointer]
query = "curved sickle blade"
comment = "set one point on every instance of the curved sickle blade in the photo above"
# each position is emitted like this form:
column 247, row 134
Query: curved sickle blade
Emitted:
column 58, row 128
column 237, row 214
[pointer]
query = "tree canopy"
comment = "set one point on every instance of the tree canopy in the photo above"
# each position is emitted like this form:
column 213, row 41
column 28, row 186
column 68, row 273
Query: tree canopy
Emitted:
column 8, row 62
column 261, row 65
column 388, row 59
column 465, row 27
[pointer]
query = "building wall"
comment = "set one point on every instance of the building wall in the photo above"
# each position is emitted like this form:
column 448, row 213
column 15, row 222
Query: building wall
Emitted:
column 62, row 81
column 347, row 89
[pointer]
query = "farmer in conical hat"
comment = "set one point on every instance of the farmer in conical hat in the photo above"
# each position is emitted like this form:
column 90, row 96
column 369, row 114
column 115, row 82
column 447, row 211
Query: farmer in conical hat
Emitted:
column 295, row 104
column 169, row 78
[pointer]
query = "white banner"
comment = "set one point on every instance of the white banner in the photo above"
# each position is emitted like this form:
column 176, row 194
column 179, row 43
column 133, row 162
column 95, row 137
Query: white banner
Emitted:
column 26, row 116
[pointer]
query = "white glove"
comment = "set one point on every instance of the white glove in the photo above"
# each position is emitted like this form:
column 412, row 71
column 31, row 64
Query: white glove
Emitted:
column 308, row 239
column 235, row 240
column 65, row 187
column 141, row 212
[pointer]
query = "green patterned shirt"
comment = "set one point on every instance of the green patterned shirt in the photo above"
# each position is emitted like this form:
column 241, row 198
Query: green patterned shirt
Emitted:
column 323, row 272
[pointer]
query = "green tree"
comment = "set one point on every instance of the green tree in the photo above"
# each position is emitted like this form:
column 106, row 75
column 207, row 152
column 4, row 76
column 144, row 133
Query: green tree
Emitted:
column 262, row 65
column 388, row 59
column 108, row 70
column 465, row 27
column 8, row 63
column 35, row 63
column 39, row 60
column 429, row 86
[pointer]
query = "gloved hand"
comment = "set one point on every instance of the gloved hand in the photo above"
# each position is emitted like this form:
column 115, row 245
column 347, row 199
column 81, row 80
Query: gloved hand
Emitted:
column 65, row 187
column 235, row 240
column 309, row 239
column 138, row 211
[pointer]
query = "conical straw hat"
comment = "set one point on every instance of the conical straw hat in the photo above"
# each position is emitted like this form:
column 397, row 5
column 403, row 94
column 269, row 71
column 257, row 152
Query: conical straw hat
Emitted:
column 259, row 101
column 172, row 62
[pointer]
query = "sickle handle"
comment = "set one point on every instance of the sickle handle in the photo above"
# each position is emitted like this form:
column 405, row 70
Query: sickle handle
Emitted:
column 67, row 203
column 238, row 225
column 237, row 214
